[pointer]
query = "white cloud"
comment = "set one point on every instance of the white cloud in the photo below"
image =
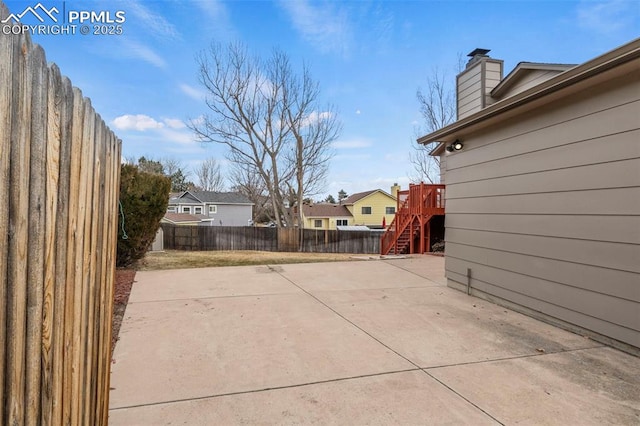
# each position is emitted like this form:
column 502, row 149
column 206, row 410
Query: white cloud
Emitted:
column 140, row 51
column 174, row 123
column 192, row 92
column 162, row 135
column 143, row 123
column 325, row 26
column 606, row 17
column 216, row 19
column 152, row 22
column 358, row 112
column 139, row 122
column 352, row 143
column 182, row 137
column 316, row 117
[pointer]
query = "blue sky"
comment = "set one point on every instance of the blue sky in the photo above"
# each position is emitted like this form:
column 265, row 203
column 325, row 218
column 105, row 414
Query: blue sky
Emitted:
column 369, row 57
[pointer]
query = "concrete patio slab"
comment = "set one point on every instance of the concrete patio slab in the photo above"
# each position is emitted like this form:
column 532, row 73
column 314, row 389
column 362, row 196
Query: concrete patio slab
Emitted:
column 437, row 326
column 427, row 266
column 389, row 399
column 353, row 276
column 194, row 348
column 584, row 387
column 208, row 282
column 378, row 342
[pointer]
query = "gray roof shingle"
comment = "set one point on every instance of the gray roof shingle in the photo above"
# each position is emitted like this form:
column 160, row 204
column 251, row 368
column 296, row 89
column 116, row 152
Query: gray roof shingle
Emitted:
column 212, row 197
column 325, row 210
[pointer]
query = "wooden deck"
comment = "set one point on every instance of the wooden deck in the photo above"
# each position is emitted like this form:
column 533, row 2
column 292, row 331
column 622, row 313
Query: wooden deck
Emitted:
column 410, row 231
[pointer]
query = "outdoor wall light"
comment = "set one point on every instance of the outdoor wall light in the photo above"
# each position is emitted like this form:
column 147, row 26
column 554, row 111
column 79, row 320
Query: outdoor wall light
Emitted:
column 455, row 146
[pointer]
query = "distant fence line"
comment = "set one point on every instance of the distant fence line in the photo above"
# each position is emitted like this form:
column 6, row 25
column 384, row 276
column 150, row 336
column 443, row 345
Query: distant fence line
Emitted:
column 176, row 237
column 59, row 179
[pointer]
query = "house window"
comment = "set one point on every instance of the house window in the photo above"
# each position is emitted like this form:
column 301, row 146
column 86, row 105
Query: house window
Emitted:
column 342, row 222
column 317, row 223
column 171, row 209
column 366, row 210
column 213, row 209
column 186, row 209
column 197, row 210
column 389, row 210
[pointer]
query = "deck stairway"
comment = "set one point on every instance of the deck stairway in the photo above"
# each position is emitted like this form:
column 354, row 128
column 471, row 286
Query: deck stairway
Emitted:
column 410, row 230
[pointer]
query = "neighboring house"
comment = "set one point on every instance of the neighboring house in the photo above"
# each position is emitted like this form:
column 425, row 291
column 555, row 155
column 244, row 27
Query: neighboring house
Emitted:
column 543, row 192
column 370, row 207
column 217, row 208
column 186, row 219
column 326, row 216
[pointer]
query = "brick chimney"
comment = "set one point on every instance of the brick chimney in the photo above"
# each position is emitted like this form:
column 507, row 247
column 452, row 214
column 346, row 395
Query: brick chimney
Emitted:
column 474, row 84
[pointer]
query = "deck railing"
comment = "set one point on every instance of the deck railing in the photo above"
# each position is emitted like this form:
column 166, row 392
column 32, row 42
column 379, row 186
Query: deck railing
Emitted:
column 419, row 201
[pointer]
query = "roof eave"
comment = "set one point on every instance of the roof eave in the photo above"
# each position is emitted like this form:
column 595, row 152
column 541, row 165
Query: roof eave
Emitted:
column 609, row 60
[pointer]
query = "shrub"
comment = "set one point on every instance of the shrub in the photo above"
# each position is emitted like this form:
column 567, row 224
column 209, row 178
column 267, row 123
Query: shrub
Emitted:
column 144, row 198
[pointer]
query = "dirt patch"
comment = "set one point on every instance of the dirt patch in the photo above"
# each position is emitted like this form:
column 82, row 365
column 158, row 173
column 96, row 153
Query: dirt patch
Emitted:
column 124, row 281
column 173, row 259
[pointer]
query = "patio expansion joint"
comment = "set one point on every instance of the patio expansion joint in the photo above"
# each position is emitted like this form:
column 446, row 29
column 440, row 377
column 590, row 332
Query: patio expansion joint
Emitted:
column 427, row 370
column 231, row 296
column 437, row 284
column 508, row 358
column 390, row 348
column 297, row 385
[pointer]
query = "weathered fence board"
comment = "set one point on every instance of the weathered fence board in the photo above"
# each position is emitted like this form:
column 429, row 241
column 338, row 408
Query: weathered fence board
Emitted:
column 59, row 177
column 268, row 239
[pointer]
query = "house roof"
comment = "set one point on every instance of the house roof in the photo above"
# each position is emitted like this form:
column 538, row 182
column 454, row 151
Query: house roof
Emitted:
column 210, row 197
column 360, row 195
column 325, row 210
column 184, row 217
column 184, row 198
column 522, row 69
column 616, row 62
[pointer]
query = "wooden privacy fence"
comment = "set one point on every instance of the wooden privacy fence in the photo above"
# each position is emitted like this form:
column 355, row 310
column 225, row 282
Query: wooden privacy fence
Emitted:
column 268, row 239
column 59, row 179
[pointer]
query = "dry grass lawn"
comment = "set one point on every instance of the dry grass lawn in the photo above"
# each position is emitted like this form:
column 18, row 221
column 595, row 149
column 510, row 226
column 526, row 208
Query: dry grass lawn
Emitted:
column 173, row 259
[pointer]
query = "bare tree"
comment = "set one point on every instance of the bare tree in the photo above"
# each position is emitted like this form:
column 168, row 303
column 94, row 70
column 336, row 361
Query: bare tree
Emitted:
column 247, row 182
column 438, row 108
column 172, row 165
column 313, row 133
column 179, row 175
column 209, row 174
column 268, row 118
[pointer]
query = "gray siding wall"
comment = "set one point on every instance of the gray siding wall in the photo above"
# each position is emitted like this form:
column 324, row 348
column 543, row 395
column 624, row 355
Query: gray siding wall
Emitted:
column 473, row 86
column 545, row 211
column 231, row 215
column 492, row 77
column 469, row 91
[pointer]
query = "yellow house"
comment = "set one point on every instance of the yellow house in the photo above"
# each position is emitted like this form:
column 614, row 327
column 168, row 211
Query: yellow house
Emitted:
column 325, row 216
column 369, row 208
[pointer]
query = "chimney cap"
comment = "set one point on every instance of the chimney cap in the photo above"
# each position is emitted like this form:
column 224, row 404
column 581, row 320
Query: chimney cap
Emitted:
column 479, row 52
